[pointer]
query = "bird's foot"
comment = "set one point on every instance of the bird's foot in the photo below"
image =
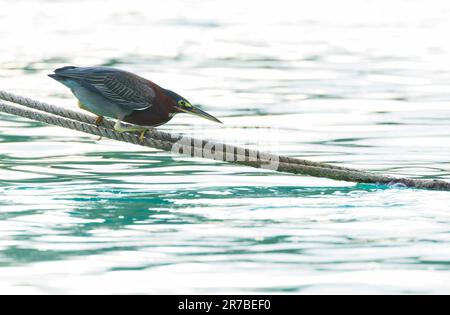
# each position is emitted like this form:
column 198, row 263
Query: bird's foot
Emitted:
column 118, row 128
column 142, row 136
column 99, row 120
column 142, row 132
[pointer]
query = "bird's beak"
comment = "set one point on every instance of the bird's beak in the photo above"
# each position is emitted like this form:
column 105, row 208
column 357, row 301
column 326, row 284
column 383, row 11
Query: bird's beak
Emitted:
column 190, row 109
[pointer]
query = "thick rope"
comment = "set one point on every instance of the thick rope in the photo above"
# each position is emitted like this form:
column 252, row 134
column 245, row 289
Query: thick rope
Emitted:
column 76, row 120
column 155, row 134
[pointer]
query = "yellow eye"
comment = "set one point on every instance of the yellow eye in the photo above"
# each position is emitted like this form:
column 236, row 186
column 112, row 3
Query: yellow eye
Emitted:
column 184, row 104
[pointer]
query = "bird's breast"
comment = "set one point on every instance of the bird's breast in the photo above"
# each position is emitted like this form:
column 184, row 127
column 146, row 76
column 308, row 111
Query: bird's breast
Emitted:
column 153, row 116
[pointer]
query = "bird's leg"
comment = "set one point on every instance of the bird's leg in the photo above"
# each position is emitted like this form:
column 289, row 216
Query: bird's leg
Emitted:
column 99, row 120
column 80, row 105
column 118, row 128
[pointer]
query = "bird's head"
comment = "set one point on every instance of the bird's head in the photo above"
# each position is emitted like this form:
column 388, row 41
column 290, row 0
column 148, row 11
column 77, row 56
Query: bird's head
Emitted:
column 182, row 105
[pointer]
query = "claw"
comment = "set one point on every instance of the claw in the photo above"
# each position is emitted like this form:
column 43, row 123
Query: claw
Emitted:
column 142, row 136
column 98, row 120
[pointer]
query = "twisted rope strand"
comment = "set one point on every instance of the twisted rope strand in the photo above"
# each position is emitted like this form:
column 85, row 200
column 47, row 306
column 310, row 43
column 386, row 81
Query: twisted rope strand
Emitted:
column 75, row 120
column 155, row 134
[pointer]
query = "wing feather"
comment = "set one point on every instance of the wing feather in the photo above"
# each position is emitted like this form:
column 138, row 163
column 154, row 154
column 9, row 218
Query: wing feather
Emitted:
column 124, row 88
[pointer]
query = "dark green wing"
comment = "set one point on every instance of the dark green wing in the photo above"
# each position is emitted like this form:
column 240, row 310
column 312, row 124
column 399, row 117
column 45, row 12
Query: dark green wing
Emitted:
column 124, row 88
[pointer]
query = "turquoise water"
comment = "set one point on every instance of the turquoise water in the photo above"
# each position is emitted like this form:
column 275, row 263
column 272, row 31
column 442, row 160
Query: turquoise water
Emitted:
column 364, row 84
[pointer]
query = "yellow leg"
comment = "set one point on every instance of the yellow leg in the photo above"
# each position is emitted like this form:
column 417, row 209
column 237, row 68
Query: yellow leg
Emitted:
column 81, row 105
column 142, row 136
column 118, row 128
column 98, row 120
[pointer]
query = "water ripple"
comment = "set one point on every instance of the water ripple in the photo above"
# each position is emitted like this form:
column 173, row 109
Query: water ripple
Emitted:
column 366, row 89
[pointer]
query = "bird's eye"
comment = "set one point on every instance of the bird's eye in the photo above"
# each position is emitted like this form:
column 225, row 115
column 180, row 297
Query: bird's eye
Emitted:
column 184, row 104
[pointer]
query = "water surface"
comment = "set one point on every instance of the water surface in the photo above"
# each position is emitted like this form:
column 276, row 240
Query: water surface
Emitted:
column 364, row 84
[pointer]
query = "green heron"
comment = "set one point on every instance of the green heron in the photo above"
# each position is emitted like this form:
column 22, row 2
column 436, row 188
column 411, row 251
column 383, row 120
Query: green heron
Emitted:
column 125, row 96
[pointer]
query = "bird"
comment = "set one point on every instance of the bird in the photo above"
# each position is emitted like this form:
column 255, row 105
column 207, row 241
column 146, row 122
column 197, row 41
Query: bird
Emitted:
column 124, row 96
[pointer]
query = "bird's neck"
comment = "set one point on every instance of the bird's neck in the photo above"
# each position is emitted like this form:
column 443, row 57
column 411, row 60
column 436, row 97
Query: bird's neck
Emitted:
column 163, row 98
